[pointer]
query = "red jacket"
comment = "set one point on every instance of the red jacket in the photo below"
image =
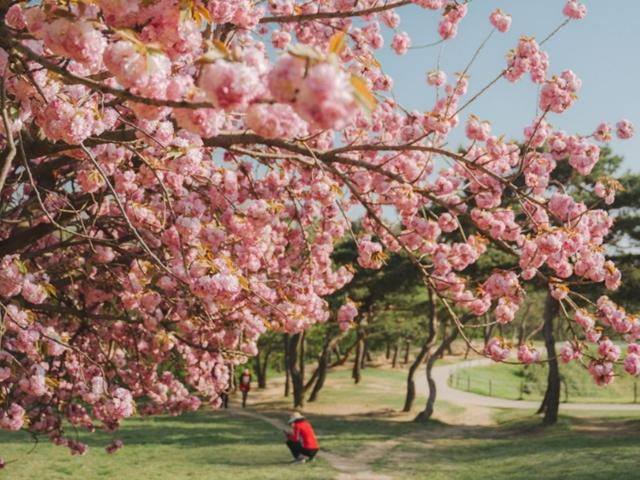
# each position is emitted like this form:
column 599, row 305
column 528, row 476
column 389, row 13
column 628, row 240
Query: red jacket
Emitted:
column 245, row 382
column 303, row 432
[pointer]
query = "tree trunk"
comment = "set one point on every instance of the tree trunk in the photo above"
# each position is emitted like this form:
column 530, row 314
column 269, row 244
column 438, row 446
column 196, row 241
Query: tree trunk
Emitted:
column 303, row 343
column 387, row 354
column 422, row 354
column 551, row 403
column 320, row 373
column 297, row 382
column 365, row 354
column 445, row 334
column 323, row 363
column 260, row 366
column 394, row 359
column 337, row 353
column 345, row 356
column 425, row 415
column 368, row 356
column 411, row 384
column 287, row 376
column 407, row 349
column 357, row 362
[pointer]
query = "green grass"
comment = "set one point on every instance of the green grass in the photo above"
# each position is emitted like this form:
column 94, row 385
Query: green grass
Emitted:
column 521, row 450
column 519, row 382
column 206, row 445
column 219, row 445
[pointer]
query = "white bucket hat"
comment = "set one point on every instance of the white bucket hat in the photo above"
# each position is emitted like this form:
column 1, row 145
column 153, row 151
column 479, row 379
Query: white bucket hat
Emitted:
column 295, row 416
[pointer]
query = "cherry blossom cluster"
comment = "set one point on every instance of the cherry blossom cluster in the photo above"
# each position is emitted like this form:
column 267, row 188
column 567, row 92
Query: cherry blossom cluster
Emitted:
column 175, row 188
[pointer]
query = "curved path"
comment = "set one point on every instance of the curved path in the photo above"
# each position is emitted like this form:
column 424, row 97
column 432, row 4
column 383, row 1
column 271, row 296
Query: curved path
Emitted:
column 355, row 467
column 468, row 399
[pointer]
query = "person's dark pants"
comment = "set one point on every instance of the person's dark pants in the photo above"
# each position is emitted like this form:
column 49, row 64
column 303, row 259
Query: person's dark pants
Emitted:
column 244, row 398
column 297, row 450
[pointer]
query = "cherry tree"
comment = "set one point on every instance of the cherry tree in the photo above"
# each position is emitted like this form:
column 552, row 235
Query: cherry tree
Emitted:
column 174, row 175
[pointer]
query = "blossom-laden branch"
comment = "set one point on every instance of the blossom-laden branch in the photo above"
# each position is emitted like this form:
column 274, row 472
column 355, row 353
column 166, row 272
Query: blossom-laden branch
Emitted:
column 181, row 188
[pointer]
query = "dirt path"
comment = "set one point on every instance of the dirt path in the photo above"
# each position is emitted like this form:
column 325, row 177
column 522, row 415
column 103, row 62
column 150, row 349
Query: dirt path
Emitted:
column 467, row 399
column 349, row 468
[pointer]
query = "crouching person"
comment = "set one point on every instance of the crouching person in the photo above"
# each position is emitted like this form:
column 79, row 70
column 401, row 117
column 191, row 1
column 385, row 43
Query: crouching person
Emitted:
column 301, row 440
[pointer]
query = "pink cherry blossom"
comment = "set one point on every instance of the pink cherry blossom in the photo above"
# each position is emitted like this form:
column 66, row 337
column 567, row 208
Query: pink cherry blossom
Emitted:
column 528, row 355
column 401, row 43
column 574, row 10
column 624, row 129
column 497, row 349
column 500, row 20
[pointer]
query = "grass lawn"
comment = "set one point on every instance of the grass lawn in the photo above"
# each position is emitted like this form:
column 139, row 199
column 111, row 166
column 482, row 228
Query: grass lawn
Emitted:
column 575, row 449
column 529, row 383
column 205, row 445
column 216, row 445
column 223, row 445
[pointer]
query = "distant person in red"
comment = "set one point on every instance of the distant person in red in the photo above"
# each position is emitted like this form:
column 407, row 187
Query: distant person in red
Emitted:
column 301, row 440
column 245, row 385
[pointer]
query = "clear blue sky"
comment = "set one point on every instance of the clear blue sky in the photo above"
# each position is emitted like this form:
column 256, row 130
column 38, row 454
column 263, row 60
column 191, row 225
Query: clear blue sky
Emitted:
column 602, row 49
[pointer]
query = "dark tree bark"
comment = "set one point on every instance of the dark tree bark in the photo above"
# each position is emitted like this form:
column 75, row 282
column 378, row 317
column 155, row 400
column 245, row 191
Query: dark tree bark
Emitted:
column 337, row 353
column 303, row 343
column 320, row 373
column 357, row 362
column 551, row 402
column 445, row 334
column 422, row 354
column 411, row 384
column 365, row 354
column 394, row 359
column 407, row 350
column 342, row 360
column 287, row 376
column 387, row 354
column 260, row 366
column 426, row 414
column 295, row 372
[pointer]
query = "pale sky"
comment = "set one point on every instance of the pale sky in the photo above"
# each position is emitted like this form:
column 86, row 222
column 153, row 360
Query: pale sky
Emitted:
column 601, row 49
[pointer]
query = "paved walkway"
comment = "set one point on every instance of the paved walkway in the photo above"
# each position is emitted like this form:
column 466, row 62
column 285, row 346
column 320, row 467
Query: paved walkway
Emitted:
column 468, row 399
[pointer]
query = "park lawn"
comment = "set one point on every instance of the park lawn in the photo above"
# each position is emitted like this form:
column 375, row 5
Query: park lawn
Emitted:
column 204, row 445
column 521, row 449
column 507, row 381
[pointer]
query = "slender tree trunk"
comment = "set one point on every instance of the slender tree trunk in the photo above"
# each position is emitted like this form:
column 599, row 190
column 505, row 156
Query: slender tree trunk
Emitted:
column 297, row 382
column 445, row 334
column 407, row 350
column 365, row 354
column 411, row 384
column 303, row 343
column 422, row 354
column 287, row 376
column 320, row 373
column 551, row 403
column 467, row 350
column 357, row 363
column 262, row 378
column 342, row 360
column 337, row 353
column 426, row 414
column 260, row 367
column 394, row 359
column 387, row 354
column 323, row 363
